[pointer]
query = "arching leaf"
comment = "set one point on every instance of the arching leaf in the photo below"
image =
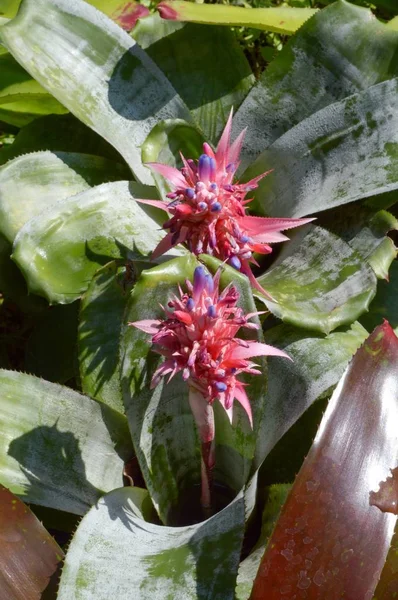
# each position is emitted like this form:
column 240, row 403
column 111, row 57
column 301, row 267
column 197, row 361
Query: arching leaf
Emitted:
column 96, row 70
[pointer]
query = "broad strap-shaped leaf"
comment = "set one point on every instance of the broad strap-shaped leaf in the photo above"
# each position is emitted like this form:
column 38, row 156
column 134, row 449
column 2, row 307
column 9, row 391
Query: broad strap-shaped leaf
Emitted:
column 51, row 350
column 387, row 586
column 318, row 282
column 115, row 553
column 342, row 153
column 332, row 539
column 164, row 145
column 365, row 230
column 280, row 20
column 101, row 317
column 59, row 448
column 205, row 65
column 33, row 182
column 62, row 133
column 275, row 498
column 59, row 250
column 341, row 50
column 96, row 70
column 293, row 386
column 22, row 99
column 384, row 304
column 160, row 420
column 29, row 556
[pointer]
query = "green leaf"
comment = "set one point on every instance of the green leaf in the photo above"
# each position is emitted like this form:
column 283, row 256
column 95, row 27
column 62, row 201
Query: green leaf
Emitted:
column 340, row 51
column 329, row 532
column 205, row 65
column 318, row 282
column 284, row 20
column 393, row 24
column 22, row 99
column 384, row 305
column 114, row 553
column 96, row 70
column 164, row 144
column 59, row 250
column 318, row 363
column 342, row 153
column 62, row 133
column 59, row 449
column 160, row 420
column 276, row 496
column 50, row 351
column 29, row 556
column 101, row 317
column 365, row 229
column 33, row 182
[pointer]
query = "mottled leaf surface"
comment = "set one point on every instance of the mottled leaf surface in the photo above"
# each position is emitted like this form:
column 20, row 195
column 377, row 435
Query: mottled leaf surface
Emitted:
column 341, row 153
column 33, row 182
column 59, row 448
column 340, row 51
column 319, row 282
column 115, row 552
column 206, row 66
column 329, row 540
column 384, row 305
column 60, row 250
column 29, row 556
column 96, row 70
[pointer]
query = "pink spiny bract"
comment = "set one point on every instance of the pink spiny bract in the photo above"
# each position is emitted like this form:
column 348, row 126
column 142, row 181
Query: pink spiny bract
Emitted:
column 208, row 210
column 198, row 338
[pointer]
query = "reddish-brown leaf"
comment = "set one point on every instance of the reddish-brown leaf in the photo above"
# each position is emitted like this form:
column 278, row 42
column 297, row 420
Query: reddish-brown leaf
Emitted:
column 330, row 542
column 28, row 554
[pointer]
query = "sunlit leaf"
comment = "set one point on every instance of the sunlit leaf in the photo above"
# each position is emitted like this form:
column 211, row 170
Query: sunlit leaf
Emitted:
column 329, row 540
column 33, row 182
column 206, row 66
column 318, row 282
column 341, row 50
column 29, row 556
column 59, row 250
column 114, row 551
column 59, row 448
column 280, row 20
column 96, row 70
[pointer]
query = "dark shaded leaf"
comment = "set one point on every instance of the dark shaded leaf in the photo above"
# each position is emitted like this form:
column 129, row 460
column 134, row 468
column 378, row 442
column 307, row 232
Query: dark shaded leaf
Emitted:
column 384, row 305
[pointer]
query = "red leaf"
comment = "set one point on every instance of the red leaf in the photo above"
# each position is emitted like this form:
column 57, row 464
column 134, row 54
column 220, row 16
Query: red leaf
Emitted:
column 128, row 14
column 28, row 554
column 330, row 542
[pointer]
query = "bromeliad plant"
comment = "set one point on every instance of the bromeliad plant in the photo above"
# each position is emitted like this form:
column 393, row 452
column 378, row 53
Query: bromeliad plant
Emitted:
column 173, row 438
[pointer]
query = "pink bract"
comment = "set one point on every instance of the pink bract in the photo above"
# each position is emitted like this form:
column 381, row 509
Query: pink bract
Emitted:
column 208, row 210
column 198, row 338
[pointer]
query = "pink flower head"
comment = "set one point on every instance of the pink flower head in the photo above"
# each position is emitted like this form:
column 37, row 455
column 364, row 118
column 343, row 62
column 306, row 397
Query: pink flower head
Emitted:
column 198, row 338
column 208, row 210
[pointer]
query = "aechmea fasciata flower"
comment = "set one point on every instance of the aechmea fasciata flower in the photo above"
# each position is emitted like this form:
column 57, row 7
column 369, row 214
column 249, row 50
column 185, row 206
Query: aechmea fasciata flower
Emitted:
column 208, row 209
column 197, row 337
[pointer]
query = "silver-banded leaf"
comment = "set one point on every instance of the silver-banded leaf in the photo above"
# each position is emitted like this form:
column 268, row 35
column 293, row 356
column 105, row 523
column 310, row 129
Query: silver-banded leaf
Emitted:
column 318, row 363
column 341, row 50
column 33, row 182
column 22, row 99
column 58, row 448
column 115, row 553
column 365, row 230
column 276, row 496
column 60, row 250
column 344, row 152
column 160, row 420
column 96, row 70
column 319, row 282
column 205, row 65
column 101, row 317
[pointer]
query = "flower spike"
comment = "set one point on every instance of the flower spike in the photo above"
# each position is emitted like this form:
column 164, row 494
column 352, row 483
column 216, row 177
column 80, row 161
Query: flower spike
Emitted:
column 197, row 337
column 208, row 209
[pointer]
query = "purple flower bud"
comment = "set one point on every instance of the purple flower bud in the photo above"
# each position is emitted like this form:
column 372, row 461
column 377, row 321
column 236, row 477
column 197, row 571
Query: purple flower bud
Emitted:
column 220, row 386
column 216, row 207
column 202, row 206
column 213, row 168
column 244, row 239
column 235, row 262
column 199, row 282
column 213, row 187
column 204, row 167
column 231, row 168
column 190, row 193
column 211, row 311
column 209, row 283
column 190, row 304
